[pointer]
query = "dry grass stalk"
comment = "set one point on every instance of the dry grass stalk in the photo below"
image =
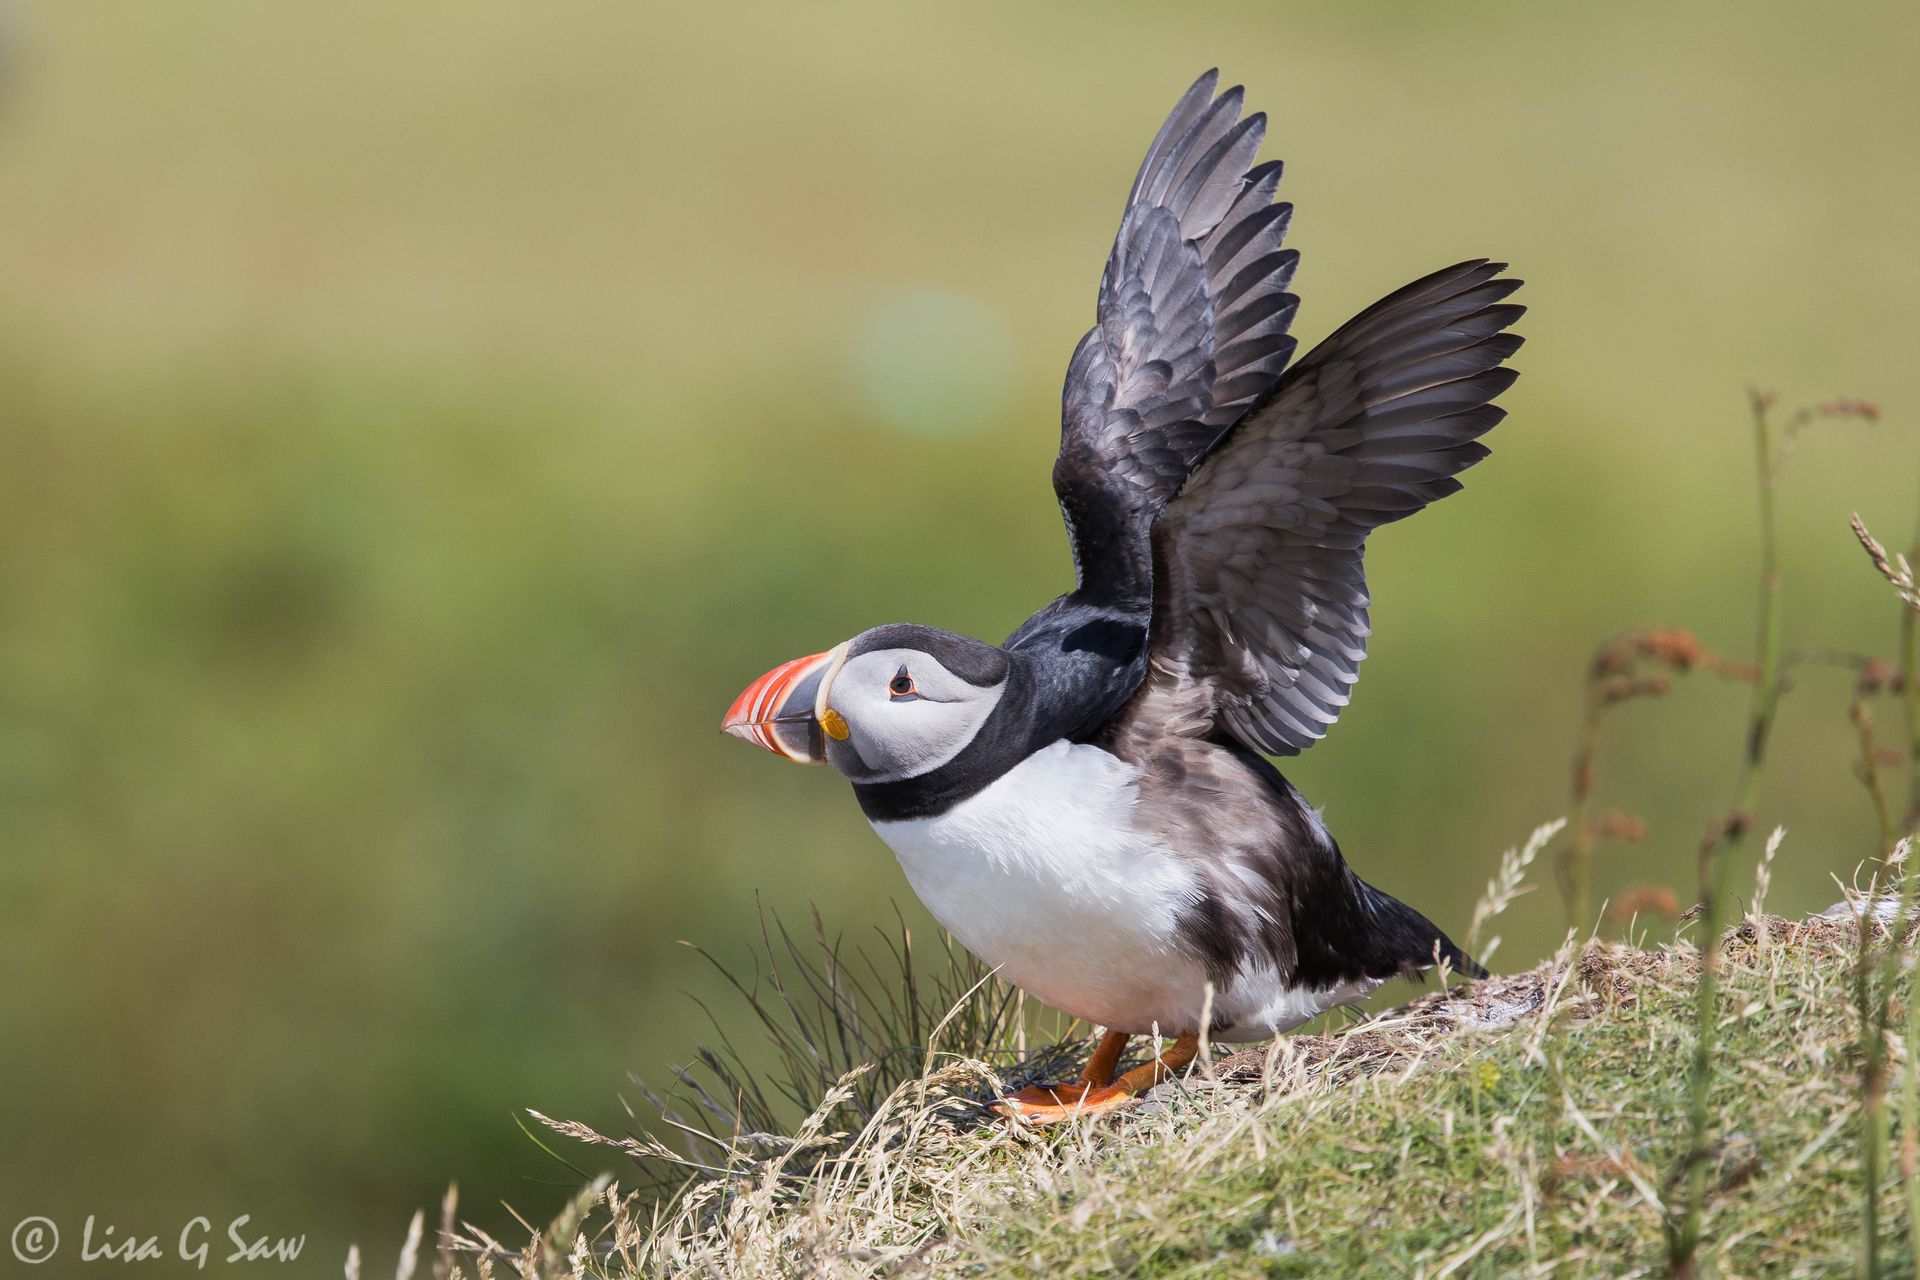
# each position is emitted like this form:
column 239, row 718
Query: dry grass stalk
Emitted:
column 1762, row 882
column 1506, row 885
column 1893, row 567
column 410, row 1251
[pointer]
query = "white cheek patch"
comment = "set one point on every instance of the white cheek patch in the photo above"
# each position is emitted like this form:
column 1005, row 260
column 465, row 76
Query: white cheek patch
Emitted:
column 907, row 737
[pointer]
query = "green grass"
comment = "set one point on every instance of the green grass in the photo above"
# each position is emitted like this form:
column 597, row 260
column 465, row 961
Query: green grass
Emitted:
column 1526, row 1125
column 1538, row 1150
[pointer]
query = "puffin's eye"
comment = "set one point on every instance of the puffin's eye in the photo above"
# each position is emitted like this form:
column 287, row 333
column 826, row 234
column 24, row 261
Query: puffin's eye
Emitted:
column 901, row 686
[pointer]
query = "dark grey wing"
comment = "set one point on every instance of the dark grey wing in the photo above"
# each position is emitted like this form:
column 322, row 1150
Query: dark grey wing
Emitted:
column 1191, row 329
column 1260, row 598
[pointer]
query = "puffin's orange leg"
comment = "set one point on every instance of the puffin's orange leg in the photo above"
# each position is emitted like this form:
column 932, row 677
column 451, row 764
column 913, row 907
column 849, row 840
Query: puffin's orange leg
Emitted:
column 1096, row 1089
column 1106, row 1057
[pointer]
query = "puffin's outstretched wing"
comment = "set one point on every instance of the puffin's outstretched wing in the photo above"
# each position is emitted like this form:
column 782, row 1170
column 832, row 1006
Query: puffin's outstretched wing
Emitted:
column 1191, row 329
column 1260, row 598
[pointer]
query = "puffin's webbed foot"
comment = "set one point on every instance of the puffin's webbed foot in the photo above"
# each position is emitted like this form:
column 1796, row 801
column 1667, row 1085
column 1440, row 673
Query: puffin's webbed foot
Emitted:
column 1096, row 1090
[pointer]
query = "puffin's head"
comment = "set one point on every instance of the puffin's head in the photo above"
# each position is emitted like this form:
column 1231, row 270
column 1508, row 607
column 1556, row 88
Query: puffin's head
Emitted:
column 894, row 702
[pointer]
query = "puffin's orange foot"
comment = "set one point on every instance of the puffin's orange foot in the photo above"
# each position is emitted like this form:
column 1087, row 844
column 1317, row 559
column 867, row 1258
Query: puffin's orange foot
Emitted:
column 1052, row 1103
column 1096, row 1090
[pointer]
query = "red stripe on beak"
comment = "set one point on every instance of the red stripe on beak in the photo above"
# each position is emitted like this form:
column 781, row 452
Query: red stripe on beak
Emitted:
column 776, row 711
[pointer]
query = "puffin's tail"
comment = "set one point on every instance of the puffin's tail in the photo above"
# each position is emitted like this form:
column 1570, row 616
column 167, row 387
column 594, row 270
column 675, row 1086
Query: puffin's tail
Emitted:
column 1406, row 942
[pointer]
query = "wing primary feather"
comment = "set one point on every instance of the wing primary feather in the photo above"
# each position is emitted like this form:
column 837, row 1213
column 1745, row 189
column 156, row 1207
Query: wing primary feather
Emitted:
column 1213, row 123
column 1192, row 103
column 1190, row 331
column 1209, row 188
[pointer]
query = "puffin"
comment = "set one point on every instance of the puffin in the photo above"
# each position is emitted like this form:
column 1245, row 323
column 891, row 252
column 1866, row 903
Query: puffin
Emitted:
column 1089, row 806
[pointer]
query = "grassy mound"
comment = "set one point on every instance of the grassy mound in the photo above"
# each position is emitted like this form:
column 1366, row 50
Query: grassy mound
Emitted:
column 1524, row 1125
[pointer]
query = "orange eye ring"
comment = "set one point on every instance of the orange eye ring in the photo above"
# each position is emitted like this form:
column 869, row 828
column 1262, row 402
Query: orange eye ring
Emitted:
column 901, row 686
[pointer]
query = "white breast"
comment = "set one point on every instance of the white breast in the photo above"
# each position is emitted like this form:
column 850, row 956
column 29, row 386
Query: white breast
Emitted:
column 1044, row 876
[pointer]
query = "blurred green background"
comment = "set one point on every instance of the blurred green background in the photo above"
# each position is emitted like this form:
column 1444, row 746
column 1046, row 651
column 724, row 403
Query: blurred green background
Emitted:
column 418, row 421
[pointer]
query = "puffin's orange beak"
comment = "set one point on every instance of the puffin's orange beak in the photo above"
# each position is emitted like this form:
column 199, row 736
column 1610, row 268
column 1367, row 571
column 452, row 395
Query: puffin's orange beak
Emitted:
column 785, row 710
